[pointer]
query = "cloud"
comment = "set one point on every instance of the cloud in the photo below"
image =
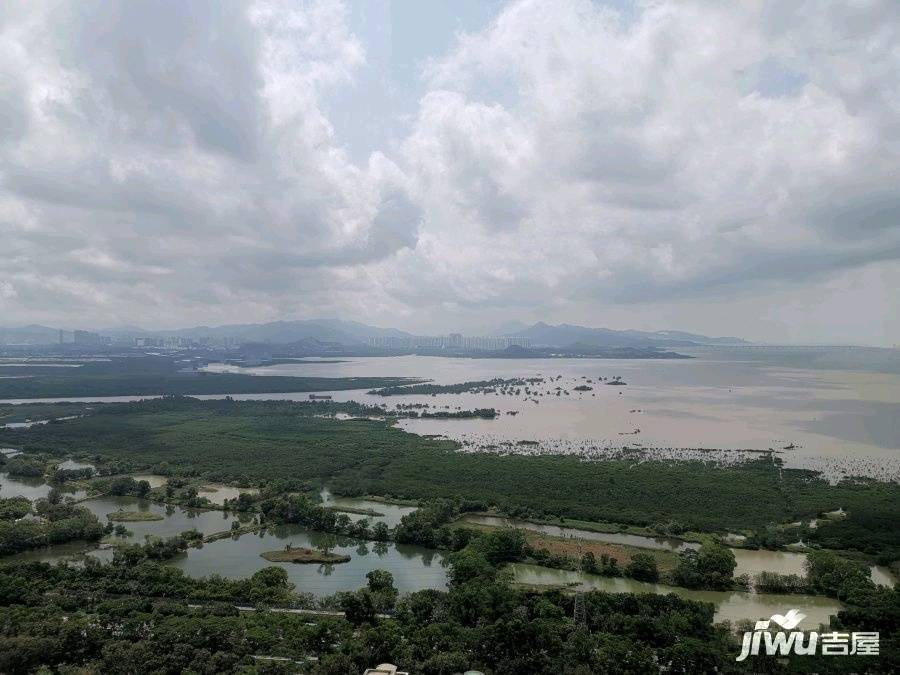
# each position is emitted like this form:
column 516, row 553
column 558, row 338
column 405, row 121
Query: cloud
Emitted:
column 635, row 161
column 174, row 162
column 168, row 155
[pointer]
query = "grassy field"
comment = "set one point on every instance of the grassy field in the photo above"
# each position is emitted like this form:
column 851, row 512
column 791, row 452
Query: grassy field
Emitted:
column 572, row 547
column 133, row 516
column 304, row 556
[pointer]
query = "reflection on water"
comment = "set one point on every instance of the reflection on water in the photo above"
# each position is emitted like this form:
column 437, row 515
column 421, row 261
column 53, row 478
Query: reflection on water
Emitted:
column 414, row 568
column 218, row 493
column 390, row 514
column 730, row 605
column 32, row 488
column 749, row 561
column 783, row 562
column 154, row 480
column 175, row 519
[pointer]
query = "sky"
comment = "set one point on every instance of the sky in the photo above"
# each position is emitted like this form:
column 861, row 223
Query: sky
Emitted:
column 438, row 165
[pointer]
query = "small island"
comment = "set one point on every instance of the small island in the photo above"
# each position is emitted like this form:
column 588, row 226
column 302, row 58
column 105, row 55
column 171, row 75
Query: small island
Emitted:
column 133, row 516
column 304, row 556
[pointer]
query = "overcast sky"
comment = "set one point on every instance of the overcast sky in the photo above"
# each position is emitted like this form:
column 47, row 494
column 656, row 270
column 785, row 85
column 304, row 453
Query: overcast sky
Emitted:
column 434, row 165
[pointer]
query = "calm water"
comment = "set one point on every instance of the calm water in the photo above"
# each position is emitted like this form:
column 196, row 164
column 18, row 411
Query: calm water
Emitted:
column 657, row 543
column 730, row 605
column 413, row 568
column 32, row 488
column 839, row 420
column 750, row 562
column 390, row 513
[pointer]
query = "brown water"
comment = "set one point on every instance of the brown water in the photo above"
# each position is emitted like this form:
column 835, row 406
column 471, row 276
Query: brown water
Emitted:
column 839, row 420
column 749, row 561
column 657, row 543
column 730, row 605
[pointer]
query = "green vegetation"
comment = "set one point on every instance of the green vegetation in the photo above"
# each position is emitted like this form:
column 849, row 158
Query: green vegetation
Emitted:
column 163, row 376
column 23, row 467
column 643, row 568
column 480, row 413
column 25, row 412
column 259, row 442
column 135, row 615
column 304, row 556
column 473, row 387
column 54, row 523
column 14, row 508
column 772, row 582
column 133, row 516
column 710, row 567
column 353, row 509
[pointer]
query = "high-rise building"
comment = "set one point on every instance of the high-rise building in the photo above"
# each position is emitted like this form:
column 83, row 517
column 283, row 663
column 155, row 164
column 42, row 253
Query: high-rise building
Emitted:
column 85, row 337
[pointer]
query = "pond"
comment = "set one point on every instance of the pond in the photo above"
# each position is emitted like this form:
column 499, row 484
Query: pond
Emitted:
column 32, row 488
column 390, row 513
column 749, row 561
column 730, row 605
column 657, row 543
column 414, row 568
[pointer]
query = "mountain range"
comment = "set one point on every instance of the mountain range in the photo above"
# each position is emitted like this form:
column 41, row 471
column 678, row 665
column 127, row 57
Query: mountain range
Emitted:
column 567, row 334
column 355, row 333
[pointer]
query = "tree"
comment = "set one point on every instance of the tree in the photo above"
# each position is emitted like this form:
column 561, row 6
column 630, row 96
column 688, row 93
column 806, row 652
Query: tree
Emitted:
column 359, row 607
column 716, row 564
column 380, row 532
column 710, row 567
column 838, row 577
column 467, row 565
column 270, row 585
column 642, row 567
column 381, row 584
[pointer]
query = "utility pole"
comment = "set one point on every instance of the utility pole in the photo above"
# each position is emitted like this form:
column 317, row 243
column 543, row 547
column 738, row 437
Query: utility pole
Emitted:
column 580, row 611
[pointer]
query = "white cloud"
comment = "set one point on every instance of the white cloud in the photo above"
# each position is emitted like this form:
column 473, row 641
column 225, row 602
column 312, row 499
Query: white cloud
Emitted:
column 627, row 161
column 565, row 160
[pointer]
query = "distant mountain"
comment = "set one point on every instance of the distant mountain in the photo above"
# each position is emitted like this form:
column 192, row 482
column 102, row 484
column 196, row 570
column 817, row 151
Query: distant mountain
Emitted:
column 689, row 337
column 353, row 333
column 28, row 335
column 563, row 335
column 283, row 332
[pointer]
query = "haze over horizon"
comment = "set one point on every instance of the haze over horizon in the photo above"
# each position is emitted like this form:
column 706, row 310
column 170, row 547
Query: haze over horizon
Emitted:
column 454, row 165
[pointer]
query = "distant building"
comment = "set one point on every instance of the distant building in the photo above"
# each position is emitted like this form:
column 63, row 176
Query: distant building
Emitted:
column 84, row 337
